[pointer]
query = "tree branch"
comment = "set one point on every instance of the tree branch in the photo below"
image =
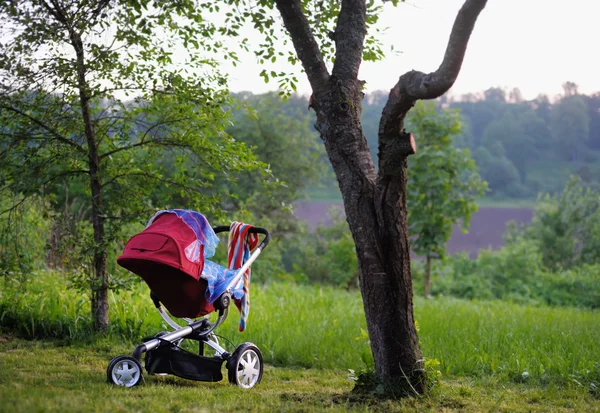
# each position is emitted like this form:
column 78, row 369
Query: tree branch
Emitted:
column 52, row 131
column 99, row 9
column 56, row 12
column 415, row 85
column 144, row 141
column 349, row 37
column 304, row 42
column 430, row 86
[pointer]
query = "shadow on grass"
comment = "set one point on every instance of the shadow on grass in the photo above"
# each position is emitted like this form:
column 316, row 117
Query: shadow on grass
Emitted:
column 353, row 400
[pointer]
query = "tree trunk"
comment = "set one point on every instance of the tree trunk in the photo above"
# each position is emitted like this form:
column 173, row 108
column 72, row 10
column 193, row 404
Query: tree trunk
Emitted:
column 427, row 275
column 376, row 213
column 99, row 287
column 375, row 202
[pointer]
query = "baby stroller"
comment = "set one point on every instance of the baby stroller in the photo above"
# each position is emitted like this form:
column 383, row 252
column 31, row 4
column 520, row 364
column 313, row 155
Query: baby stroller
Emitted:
column 170, row 256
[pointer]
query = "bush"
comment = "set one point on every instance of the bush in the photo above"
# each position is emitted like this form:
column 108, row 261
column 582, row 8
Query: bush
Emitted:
column 577, row 287
column 516, row 273
column 325, row 256
column 566, row 227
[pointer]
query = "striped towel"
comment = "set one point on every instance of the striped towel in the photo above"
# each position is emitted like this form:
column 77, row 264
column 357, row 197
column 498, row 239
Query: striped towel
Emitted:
column 241, row 242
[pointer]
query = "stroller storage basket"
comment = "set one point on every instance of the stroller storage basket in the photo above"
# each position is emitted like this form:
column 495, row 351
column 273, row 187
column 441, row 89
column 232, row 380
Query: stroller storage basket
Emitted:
column 171, row 359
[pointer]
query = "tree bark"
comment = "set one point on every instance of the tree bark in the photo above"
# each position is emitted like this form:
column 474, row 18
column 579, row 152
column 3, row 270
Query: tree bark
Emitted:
column 375, row 201
column 99, row 287
column 376, row 212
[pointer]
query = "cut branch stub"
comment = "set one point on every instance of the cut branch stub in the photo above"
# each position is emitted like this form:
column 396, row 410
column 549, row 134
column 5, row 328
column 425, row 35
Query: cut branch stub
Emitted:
column 393, row 152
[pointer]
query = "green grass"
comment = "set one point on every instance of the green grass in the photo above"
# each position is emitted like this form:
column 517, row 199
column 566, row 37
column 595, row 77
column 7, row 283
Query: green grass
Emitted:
column 318, row 327
column 310, row 336
column 506, row 203
column 319, row 194
column 46, row 376
column 506, row 340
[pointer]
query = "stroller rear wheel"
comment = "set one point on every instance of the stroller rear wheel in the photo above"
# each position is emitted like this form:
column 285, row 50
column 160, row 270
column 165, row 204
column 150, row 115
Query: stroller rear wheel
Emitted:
column 124, row 371
column 245, row 366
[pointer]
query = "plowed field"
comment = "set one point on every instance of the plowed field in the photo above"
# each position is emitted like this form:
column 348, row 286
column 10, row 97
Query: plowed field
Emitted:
column 486, row 230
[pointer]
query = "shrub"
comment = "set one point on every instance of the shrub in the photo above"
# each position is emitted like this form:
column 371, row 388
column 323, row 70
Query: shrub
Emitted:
column 566, row 227
column 516, row 273
column 327, row 255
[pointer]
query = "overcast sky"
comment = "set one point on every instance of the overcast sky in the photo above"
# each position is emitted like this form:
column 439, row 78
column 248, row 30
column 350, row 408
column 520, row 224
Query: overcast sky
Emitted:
column 535, row 45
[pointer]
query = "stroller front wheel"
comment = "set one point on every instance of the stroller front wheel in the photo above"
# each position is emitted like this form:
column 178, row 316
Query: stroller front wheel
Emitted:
column 124, row 371
column 245, row 366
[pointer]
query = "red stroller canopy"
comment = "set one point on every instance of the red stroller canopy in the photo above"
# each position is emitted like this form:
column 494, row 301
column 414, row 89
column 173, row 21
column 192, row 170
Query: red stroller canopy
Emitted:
column 158, row 255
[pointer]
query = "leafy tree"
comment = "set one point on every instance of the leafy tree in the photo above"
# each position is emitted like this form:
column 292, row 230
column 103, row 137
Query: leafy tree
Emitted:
column 23, row 235
column 502, row 176
column 478, row 115
column 327, row 254
column 566, row 227
column 443, row 185
column 518, row 145
column 92, row 92
column 342, row 34
column 593, row 104
column 282, row 136
column 495, row 95
column 570, row 123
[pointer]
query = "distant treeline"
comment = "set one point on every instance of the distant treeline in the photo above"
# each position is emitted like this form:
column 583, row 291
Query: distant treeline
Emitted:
column 522, row 147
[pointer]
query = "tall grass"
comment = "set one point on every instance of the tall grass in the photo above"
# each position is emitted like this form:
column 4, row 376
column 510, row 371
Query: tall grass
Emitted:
column 311, row 326
column 500, row 338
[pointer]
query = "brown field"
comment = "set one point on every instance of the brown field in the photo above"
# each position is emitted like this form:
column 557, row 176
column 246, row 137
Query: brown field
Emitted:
column 487, row 225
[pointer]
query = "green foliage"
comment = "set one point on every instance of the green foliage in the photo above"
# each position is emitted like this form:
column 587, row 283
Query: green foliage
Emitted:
column 521, row 147
column 571, row 124
column 275, row 44
column 553, row 260
column 327, row 255
column 515, row 273
column 146, row 105
column 23, row 235
column 510, row 273
column 282, row 136
column 92, row 97
column 443, row 182
column 566, row 226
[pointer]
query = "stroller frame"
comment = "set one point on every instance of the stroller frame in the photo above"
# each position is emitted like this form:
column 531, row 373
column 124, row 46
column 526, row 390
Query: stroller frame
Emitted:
column 165, row 356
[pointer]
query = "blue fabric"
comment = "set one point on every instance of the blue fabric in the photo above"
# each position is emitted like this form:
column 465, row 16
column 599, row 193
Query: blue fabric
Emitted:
column 201, row 228
column 218, row 278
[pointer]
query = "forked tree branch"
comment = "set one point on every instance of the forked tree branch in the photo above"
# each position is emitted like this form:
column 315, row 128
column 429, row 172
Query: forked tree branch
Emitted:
column 415, row 85
column 349, row 38
column 433, row 85
column 304, row 42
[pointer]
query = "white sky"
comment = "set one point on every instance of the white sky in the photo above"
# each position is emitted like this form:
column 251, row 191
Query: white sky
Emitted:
column 535, row 45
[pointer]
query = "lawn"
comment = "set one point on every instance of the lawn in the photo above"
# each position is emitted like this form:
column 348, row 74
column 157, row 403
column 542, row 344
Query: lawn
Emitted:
column 47, row 376
column 493, row 356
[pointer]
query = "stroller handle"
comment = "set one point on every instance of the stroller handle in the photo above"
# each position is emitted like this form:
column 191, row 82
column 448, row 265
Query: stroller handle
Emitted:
column 253, row 230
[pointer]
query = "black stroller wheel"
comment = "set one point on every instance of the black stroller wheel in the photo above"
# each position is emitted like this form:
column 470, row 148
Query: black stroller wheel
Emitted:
column 124, row 371
column 245, row 366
